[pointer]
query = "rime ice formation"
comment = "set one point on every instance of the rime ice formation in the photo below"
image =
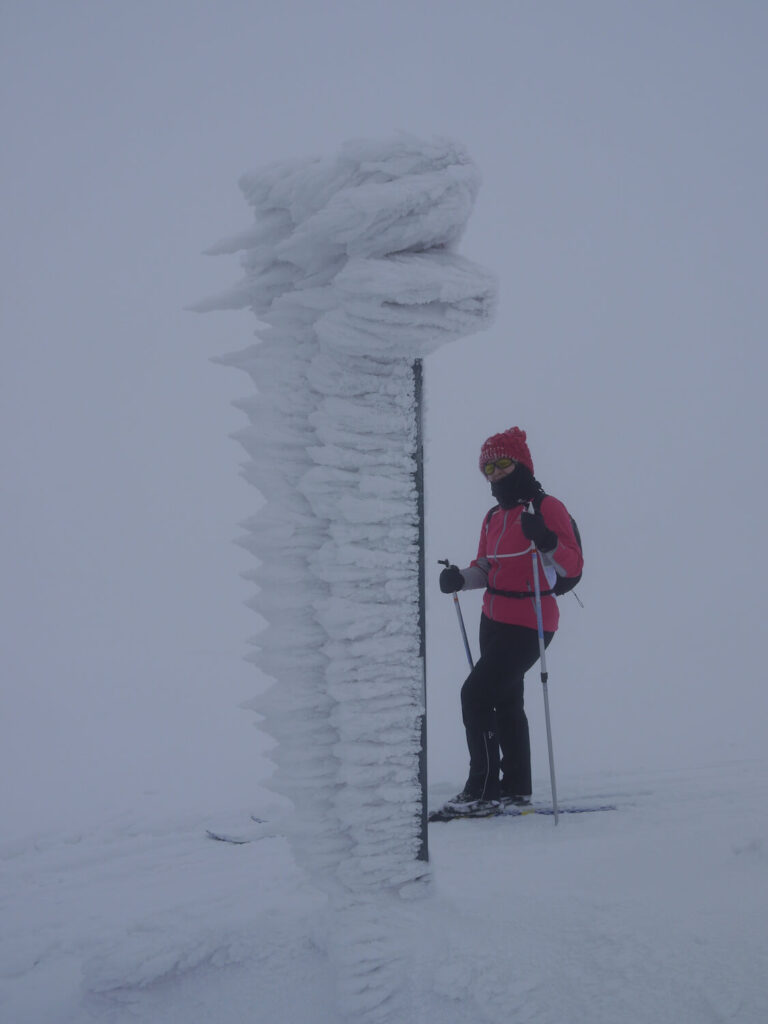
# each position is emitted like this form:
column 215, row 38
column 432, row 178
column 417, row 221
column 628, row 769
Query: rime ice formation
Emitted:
column 351, row 269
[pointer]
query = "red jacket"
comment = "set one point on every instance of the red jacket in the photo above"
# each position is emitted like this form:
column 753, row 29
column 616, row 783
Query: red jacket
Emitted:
column 504, row 562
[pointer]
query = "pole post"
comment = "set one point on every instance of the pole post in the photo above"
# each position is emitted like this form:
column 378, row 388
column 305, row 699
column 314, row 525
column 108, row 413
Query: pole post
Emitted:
column 418, row 389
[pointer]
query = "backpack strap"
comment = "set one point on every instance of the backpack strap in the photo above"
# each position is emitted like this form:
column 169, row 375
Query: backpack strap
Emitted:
column 489, row 515
column 518, row 594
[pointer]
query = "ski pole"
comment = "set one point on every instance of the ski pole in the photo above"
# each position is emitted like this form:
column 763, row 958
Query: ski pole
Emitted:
column 544, row 676
column 446, row 563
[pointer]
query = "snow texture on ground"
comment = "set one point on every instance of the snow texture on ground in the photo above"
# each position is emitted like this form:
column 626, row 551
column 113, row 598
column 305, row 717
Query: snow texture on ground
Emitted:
column 651, row 914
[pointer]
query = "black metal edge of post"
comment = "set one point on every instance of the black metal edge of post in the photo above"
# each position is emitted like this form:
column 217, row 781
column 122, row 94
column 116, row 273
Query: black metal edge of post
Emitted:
column 418, row 381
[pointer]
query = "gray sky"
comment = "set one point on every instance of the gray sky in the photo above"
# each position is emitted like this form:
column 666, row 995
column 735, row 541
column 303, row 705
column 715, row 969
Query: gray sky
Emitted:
column 624, row 210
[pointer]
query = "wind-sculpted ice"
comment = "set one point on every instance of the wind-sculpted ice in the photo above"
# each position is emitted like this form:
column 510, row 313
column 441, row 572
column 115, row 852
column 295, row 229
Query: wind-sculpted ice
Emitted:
column 351, row 269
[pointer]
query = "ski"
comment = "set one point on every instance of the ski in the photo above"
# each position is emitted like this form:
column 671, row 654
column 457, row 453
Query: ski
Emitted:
column 225, row 837
column 445, row 814
column 517, row 812
column 513, row 811
column 240, row 838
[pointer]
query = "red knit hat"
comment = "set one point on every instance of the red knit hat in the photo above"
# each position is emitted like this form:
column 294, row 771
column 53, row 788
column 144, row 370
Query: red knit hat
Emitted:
column 510, row 445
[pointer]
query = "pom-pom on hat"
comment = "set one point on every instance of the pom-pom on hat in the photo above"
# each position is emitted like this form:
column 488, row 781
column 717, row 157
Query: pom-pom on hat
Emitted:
column 509, row 445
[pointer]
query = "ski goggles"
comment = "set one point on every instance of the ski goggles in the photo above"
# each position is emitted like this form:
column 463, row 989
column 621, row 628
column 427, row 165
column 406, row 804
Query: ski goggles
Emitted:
column 504, row 463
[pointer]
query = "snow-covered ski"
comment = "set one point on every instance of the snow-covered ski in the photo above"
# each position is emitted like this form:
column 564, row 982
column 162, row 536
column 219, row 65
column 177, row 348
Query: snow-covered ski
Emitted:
column 237, row 838
column 229, row 837
column 512, row 811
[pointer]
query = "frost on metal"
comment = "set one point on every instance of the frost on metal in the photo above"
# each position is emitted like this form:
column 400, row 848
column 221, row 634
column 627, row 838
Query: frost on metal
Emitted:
column 350, row 267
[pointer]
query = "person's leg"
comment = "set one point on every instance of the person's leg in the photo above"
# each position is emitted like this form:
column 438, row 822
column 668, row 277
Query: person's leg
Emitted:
column 514, row 739
column 478, row 701
column 517, row 650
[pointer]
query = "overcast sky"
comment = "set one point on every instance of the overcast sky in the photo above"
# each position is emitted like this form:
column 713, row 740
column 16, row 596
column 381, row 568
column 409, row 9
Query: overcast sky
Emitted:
column 623, row 151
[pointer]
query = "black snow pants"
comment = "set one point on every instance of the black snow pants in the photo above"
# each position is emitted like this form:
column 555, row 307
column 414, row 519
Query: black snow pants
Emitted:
column 493, row 710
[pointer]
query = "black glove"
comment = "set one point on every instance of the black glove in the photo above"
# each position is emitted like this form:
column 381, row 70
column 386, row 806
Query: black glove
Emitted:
column 536, row 529
column 451, row 580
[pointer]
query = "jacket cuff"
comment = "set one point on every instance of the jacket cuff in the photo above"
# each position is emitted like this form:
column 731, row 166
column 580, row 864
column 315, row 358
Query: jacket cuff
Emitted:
column 474, row 577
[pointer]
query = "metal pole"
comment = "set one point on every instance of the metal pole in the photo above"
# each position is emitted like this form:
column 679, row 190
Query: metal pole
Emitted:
column 463, row 630
column 457, row 606
column 544, row 676
column 418, row 388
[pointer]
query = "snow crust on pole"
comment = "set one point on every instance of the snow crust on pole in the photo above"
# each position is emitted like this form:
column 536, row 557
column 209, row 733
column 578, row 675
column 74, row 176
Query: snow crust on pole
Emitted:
column 351, row 269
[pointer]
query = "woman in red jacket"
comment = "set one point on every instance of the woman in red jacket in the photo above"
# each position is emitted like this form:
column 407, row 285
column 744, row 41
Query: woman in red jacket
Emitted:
column 492, row 696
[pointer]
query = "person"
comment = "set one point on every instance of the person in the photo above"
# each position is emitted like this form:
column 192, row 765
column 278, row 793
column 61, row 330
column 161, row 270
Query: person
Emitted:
column 492, row 703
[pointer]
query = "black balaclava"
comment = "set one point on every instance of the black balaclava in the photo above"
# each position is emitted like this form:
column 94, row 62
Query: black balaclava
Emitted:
column 517, row 488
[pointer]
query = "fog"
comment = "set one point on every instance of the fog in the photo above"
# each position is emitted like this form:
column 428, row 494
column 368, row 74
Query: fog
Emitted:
column 624, row 211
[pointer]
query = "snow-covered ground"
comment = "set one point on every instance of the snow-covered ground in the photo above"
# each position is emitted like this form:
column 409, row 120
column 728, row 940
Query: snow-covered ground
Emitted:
column 654, row 912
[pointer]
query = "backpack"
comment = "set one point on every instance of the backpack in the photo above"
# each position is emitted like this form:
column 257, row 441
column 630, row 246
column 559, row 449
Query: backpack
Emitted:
column 563, row 584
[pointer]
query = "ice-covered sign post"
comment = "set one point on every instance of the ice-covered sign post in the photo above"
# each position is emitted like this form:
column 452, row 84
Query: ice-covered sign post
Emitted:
column 350, row 267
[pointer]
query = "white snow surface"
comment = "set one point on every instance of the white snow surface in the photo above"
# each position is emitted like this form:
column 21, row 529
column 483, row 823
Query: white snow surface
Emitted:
column 653, row 913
